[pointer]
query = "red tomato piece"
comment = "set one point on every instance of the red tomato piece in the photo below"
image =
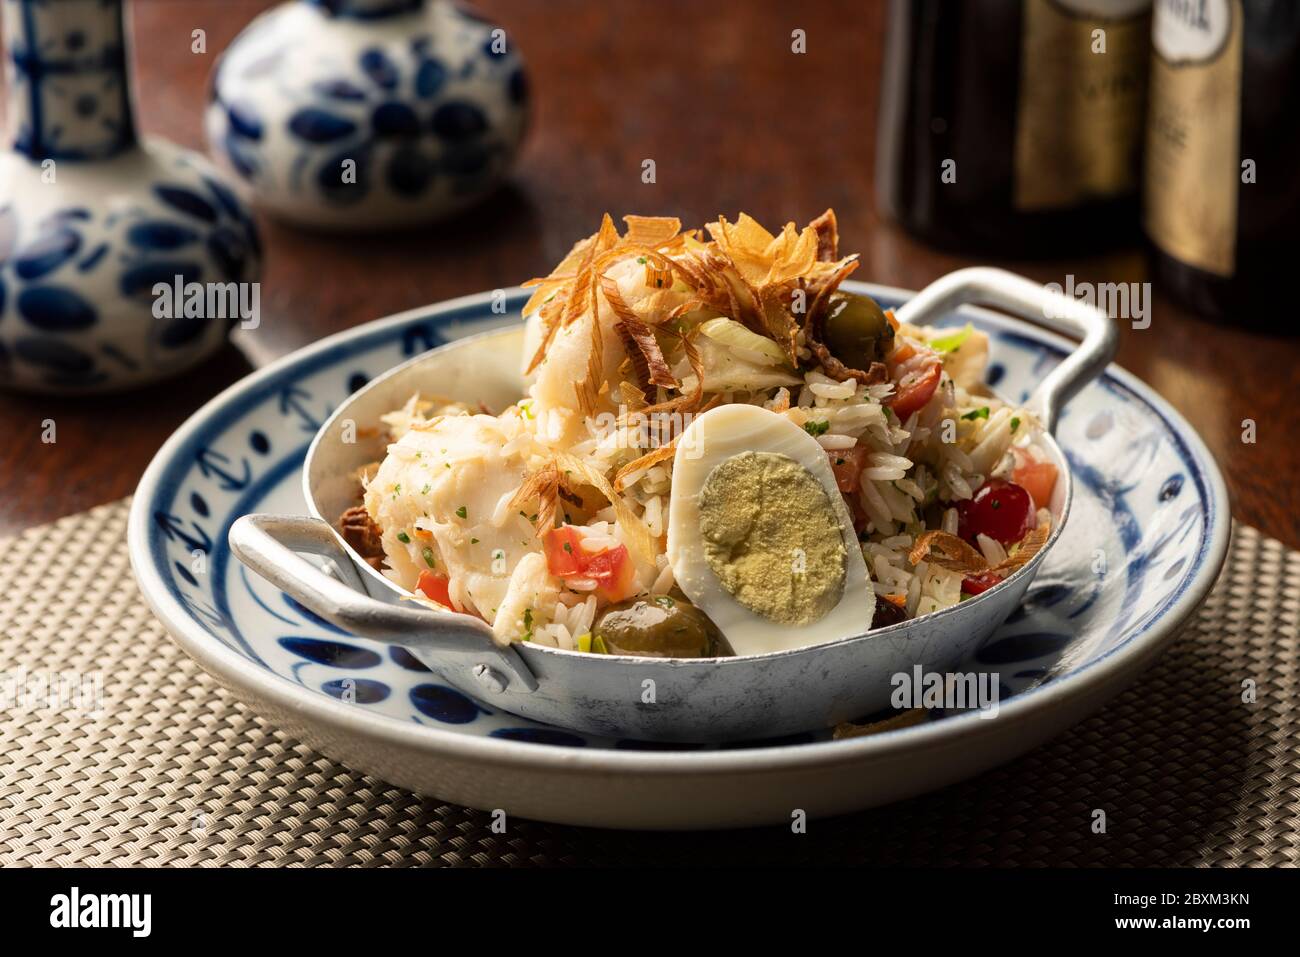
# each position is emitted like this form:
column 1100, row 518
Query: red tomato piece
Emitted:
column 434, row 586
column 978, row 584
column 613, row 573
column 611, row 568
column 1001, row 510
column 1036, row 478
column 914, row 391
column 847, row 465
column 563, row 548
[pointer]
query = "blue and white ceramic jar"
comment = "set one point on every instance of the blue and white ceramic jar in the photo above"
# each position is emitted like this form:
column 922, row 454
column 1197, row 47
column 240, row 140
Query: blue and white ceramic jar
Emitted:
column 367, row 114
column 94, row 223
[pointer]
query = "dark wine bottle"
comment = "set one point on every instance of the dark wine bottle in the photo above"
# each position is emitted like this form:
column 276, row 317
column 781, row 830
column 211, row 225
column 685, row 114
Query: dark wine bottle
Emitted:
column 1222, row 197
column 1014, row 127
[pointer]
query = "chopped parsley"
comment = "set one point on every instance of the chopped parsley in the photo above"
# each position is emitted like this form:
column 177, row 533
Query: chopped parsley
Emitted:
column 640, row 260
column 404, row 538
column 816, row 428
column 428, row 557
column 425, row 490
column 1015, row 424
column 568, row 548
column 462, row 511
column 528, row 624
column 981, row 413
column 473, row 541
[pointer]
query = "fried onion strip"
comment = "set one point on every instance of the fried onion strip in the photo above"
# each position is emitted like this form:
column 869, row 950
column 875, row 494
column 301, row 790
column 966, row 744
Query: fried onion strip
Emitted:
column 948, row 551
column 649, row 460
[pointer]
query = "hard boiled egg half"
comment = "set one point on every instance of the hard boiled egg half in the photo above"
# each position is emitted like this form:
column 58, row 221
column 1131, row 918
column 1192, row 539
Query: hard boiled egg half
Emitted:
column 759, row 537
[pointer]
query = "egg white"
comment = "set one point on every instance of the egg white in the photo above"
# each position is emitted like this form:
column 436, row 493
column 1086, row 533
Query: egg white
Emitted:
column 710, row 439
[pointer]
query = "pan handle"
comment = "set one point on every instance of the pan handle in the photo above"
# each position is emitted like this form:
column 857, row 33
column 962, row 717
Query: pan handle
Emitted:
column 1022, row 297
column 268, row 544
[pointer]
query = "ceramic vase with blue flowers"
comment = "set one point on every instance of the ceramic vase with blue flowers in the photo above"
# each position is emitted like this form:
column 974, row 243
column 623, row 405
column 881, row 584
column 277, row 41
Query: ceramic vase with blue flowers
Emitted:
column 368, row 114
column 95, row 222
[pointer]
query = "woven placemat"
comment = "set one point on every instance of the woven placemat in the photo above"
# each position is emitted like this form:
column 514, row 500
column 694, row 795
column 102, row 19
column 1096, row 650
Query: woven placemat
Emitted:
column 174, row 770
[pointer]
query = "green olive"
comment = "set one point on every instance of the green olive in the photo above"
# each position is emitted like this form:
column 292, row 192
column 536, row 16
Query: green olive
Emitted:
column 659, row 626
column 856, row 331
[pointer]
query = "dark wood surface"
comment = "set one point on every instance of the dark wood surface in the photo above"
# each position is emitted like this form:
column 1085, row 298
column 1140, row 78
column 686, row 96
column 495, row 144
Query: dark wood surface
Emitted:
column 733, row 119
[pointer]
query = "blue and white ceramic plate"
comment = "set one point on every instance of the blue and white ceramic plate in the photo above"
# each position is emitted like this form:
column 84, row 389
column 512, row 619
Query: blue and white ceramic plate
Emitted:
column 1143, row 545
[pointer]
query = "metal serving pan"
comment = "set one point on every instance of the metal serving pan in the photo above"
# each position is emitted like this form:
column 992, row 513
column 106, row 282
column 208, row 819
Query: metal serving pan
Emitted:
column 667, row 699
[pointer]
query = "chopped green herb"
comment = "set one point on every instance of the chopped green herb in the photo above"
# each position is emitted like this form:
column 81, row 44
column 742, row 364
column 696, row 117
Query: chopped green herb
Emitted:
column 981, row 413
column 425, row 490
column 1015, row 424
column 428, row 556
column 473, row 541
column 995, row 504
column 404, row 538
column 640, row 260
column 397, row 488
column 462, row 511
column 568, row 548
column 816, row 428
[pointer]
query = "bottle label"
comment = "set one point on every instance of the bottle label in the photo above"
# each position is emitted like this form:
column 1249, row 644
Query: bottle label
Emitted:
column 1192, row 161
column 1083, row 75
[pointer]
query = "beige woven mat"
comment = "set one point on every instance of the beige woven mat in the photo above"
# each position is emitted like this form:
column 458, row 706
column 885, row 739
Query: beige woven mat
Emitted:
column 176, row 771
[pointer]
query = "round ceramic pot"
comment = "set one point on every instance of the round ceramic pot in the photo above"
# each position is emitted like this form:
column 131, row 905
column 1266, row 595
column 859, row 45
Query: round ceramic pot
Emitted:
column 368, row 114
column 121, row 262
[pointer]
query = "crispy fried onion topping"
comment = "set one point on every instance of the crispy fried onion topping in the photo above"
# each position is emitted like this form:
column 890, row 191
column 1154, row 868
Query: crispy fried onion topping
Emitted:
column 649, row 460
column 847, row 729
column 828, row 236
column 638, row 340
column 956, row 555
column 543, row 487
column 762, row 280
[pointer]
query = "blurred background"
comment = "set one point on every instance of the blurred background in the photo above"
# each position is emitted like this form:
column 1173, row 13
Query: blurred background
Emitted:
column 737, row 117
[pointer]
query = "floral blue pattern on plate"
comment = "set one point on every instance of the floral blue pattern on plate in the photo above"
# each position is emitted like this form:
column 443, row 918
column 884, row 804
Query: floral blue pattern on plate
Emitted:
column 1143, row 544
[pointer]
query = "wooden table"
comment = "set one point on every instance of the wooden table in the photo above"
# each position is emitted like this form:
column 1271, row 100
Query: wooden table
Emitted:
column 733, row 119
